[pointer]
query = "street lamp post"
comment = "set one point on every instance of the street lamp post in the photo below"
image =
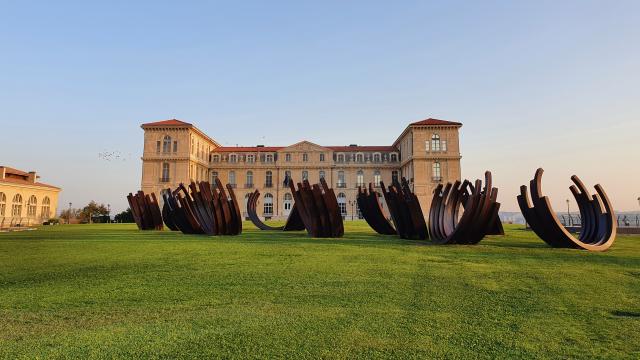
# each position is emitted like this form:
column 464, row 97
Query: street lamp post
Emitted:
column 109, row 212
column 352, row 203
column 69, row 215
column 568, row 213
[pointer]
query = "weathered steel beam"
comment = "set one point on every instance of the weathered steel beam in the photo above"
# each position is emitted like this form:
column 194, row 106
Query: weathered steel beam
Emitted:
column 598, row 225
column 479, row 217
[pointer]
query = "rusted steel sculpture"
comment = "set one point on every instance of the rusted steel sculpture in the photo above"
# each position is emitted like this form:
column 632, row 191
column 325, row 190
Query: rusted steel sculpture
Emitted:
column 479, row 217
column 318, row 208
column 145, row 210
column 372, row 211
column 203, row 209
column 598, row 226
column 405, row 210
column 294, row 222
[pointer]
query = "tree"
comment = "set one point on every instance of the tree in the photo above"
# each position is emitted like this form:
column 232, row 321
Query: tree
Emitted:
column 92, row 210
column 124, row 217
column 68, row 214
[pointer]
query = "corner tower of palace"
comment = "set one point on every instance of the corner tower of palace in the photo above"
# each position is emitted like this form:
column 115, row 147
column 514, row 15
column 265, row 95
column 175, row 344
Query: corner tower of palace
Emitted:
column 427, row 153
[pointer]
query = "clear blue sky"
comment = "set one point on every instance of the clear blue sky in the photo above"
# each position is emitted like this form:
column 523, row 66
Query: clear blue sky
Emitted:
column 539, row 83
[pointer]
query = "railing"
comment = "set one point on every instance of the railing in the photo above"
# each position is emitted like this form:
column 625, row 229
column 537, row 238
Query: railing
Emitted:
column 360, row 185
column 437, row 178
column 164, row 180
column 341, row 185
column 248, row 186
column 268, row 185
column 233, row 185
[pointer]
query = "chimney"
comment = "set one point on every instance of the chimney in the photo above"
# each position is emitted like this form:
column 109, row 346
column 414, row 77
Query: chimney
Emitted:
column 31, row 177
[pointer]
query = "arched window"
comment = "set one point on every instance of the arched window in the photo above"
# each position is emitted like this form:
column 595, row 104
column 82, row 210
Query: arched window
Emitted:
column 165, row 172
column 341, row 181
column 322, row 174
column 166, row 144
column 268, row 179
column 394, row 157
column 32, row 206
column 249, row 183
column 268, row 204
column 3, row 203
column 305, row 175
column 435, row 142
column 288, row 202
column 359, row 157
column 46, row 207
column 214, row 176
column 377, row 157
column 376, row 178
column 436, row 171
column 16, row 207
column 232, row 178
column 360, row 178
column 342, row 203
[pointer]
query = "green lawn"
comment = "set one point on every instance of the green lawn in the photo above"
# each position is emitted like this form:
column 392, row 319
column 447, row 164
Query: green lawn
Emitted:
column 110, row 291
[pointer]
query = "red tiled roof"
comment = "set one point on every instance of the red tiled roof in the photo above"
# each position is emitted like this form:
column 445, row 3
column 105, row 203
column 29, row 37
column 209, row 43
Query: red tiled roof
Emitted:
column 431, row 121
column 10, row 170
column 247, row 148
column 25, row 182
column 171, row 122
column 362, row 148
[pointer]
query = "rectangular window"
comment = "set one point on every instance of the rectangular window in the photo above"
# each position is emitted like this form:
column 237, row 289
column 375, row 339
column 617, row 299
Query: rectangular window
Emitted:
column 321, row 174
column 444, row 145
column 305, row 157
column 251, row 158
column 426, row 145
column 322, row 157
column 305, row 175
column 175, row 146
column 232, row 178
column 341, row 182
column 158, row 146
column 287, row 157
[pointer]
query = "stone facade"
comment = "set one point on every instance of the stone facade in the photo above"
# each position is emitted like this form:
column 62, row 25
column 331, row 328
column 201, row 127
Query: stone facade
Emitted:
column 23, row 200
column 426, row 153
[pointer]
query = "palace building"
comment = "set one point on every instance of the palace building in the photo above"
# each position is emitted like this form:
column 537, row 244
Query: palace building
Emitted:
column 427, row 153
column 23, row 200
